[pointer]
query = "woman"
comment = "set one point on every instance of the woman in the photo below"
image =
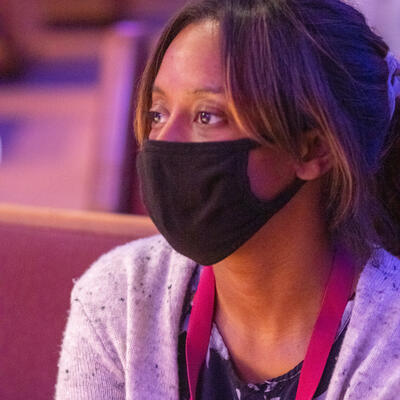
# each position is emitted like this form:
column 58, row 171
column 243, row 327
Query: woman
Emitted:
column 269, row 133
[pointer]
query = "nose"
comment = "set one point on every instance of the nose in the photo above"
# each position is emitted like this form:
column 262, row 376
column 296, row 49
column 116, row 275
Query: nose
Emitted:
column 176, row 129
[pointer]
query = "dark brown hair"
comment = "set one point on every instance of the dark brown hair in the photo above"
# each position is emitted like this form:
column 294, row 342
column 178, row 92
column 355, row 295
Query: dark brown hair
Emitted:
column 296, row 65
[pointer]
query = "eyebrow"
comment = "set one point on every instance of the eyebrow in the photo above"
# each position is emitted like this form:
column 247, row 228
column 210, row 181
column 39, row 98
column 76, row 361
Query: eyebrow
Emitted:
column 204, row 90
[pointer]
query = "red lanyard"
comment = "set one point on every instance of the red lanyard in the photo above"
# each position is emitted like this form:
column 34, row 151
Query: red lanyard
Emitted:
column 336, row 295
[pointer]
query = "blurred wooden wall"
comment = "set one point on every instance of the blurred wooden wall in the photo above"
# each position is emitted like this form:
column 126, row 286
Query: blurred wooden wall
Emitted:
column 156, row 7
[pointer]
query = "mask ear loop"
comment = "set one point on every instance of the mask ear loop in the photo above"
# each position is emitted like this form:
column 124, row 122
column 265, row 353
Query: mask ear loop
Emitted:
column 393, row 81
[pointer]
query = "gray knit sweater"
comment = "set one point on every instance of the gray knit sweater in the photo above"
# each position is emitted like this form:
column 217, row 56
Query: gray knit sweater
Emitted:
column 121, row 338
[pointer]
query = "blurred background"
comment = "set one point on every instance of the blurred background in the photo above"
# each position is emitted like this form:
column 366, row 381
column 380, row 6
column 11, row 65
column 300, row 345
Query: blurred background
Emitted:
column 68, row 75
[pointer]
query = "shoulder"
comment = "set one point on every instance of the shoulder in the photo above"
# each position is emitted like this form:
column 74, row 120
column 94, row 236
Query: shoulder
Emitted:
column 377, row 300
column 369, row 360
column 132, row 282
column 128, row 301
column 149, row 260
column 379, row 282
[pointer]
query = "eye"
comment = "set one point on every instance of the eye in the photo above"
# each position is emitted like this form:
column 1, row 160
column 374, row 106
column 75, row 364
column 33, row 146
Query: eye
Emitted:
column 155, row 117
column 208, row 118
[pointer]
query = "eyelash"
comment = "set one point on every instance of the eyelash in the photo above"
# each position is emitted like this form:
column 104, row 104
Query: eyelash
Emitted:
column 153, row 114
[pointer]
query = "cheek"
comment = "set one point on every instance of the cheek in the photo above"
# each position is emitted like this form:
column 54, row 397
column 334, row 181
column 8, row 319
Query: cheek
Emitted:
column 269, row 172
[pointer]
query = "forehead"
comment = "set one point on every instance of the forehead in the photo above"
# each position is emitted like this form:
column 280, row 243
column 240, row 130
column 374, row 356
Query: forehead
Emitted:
column 193, row 59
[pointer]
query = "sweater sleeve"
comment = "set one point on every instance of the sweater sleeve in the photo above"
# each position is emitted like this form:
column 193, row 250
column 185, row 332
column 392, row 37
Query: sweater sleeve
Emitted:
column 88, row 370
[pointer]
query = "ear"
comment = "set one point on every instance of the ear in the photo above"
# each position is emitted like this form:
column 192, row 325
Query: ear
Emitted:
column 316, row 157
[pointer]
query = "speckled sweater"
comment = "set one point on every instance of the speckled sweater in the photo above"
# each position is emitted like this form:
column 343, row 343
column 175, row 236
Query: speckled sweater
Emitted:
column 121, row 338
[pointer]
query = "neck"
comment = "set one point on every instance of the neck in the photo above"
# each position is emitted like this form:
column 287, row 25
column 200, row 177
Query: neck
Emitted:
column 272, row 287
column 269, row 292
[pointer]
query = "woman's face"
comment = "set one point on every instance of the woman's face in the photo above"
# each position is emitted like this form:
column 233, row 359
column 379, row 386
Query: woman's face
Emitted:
column 189, row 105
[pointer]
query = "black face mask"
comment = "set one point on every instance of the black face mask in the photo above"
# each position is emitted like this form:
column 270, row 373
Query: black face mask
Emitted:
column 199, row 197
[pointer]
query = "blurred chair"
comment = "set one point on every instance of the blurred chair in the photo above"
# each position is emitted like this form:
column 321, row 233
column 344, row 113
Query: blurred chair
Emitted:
column 42, row 251
column 124, row 53
column 67, row 126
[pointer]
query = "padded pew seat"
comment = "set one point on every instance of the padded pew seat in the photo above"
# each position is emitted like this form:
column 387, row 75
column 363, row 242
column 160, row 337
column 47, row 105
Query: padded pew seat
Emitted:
column 42, row 251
